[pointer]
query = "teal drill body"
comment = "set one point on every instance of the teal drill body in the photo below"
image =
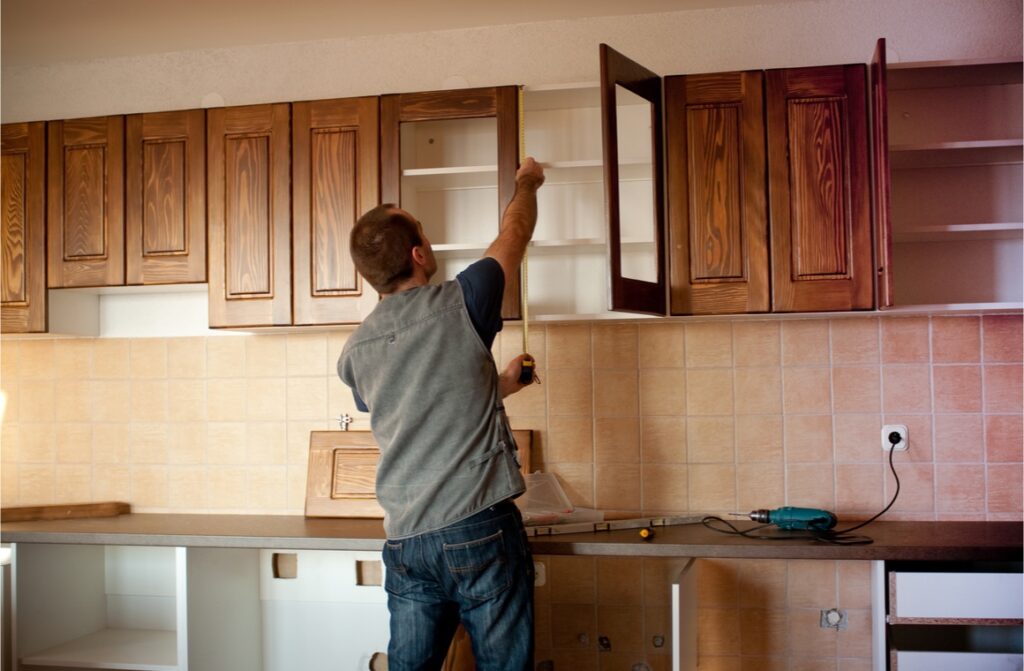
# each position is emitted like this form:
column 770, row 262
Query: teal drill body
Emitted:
column 790, row 517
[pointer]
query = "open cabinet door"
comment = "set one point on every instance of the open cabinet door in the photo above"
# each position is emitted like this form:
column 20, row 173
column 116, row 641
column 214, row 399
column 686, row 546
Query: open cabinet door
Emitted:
column 631, row 120
column 881, row 177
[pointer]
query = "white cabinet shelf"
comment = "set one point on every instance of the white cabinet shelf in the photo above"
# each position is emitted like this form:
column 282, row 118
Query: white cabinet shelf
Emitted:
column 134, row 649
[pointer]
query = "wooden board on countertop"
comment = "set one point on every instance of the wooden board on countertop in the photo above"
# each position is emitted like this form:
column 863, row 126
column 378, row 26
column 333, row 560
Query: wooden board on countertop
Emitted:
column 64, row 511
column 340, row 481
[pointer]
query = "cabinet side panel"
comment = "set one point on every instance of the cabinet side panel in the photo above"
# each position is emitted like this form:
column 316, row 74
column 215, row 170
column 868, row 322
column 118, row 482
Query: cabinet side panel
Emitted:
column 224, row 630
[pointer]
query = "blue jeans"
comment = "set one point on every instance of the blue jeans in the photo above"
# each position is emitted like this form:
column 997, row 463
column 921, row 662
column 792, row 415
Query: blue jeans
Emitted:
column 478, row 571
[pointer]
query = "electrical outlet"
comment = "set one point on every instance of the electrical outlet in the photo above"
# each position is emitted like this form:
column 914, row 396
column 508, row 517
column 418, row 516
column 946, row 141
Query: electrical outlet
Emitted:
column 540, row 575
column 904, row 441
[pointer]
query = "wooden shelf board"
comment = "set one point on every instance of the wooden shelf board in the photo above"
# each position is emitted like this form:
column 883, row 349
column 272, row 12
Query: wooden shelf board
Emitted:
column 135, row 649
column 450, row 170
column 988, row 231
column 960, row 144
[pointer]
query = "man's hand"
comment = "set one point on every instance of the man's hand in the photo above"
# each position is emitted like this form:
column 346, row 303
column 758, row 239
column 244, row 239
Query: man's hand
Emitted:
column 530, row 174
column 508, row 381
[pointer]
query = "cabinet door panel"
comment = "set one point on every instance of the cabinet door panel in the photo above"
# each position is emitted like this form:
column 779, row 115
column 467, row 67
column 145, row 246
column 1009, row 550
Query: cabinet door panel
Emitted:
column 165, row 205
column 85, row 186
column 23, row 250
column 819, row 189
column 334, row 180
column 718, row 219
column 498, row 102
column 619, row 72
column 249, row 215
column 881, row 176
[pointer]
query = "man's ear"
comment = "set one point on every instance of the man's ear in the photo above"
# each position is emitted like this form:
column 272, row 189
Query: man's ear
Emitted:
column 418, row 257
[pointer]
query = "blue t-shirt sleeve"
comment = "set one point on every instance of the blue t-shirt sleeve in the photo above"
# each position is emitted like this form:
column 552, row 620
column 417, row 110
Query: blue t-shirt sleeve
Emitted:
column 483, row 285
column 360, row 403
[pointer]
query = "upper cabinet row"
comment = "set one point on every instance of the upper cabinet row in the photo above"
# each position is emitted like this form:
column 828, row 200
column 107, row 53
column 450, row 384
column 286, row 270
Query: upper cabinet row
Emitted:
column 794, row 190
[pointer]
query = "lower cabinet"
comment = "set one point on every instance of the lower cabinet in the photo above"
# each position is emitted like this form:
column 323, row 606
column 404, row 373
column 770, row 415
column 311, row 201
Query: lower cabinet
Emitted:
column 198, row 609
column 943, row 616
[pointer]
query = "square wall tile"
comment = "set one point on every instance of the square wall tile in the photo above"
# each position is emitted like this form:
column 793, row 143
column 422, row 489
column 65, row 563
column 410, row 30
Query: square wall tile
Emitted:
column 712, row 488
column 614, row 345
column 716, row 635
column 266, row 356
column 958, row 438
column 111, row 400
column 857, row 389
column 1004, row 439
column 38, row 400
column 810, row 485
column 111, row 358
column 665, row 488
column 709, row 344
column 1004, row 488
column 148, row 358
column 906, row 388
column 617, row 486
column 760, row 486
column 268, row 487
column 37, row 443
column 186, row 400
column 149, row 486
column 805, row 342
column 758, row 390
column 225, row 400
column 148, row 442
column 1003, row 339
column 226, row 487
column 616, row 440
column 855, row 340
column 806, row 390
column 10, row 356
column 859, row 488
column 807, row 638
column 73, row 359
column 37, row 360
column 577, row 482
column 149, row 400
column 663, row 440
column 569, row 439
column 307, row 398
column 74, row 482
column 759, row 438
column 186, row 488
column 956, row 339
column 811, row 583
column 187, row 357
column 74, row 401
column 266, row 399
column 617, row 581
column 710, row 440
column 718, row 583
column 74, row 444
column 186, row 443
column 1002, row 387
column 709, row 391
column 616, row 393
column 570, row 392
column 661, row 346
column 920, row 429
column 808, row 438
column 624, row 627
column 569, row 346
column 572, row 579
column 307, row 354
column 110, row 443
column 959, row 488
column 854, row 579
column 663, row 391
column 757, row 343
column 225, row 356
column 917, row 488
column 957, row 388
column 763, row 632
column 905, row 340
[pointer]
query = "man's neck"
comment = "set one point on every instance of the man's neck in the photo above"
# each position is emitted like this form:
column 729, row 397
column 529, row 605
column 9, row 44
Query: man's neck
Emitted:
column 411, row 283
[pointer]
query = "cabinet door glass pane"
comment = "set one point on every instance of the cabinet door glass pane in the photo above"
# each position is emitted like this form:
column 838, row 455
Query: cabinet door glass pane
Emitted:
column 636, row 186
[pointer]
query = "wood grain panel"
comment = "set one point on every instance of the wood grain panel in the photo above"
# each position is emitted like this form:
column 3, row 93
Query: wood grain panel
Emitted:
column 819, row 189
column 627, row 294
column 334, row 180
column 85, row 191
column 718, row 218
column 499, row 102
column 882, row 177
column 23, row 307
column 249, row 208
column 165, row 204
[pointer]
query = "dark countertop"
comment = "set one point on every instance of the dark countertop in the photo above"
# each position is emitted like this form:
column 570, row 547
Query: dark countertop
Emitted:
column 903, row 541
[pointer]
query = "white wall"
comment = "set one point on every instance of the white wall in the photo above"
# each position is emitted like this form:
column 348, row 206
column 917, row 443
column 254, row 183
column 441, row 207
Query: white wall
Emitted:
column 815, row 32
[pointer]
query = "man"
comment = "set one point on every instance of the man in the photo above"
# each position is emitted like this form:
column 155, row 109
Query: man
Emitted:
column 421, row 365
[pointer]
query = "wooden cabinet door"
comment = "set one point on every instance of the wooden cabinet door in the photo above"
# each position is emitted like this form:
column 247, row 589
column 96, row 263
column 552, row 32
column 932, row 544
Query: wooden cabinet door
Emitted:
column 881, row 176
column 498, row 102
column 334, row 180
column 23, row 228
column 249, row 209
column 819, row 189
column 717, row 205
column 85, row 194
column 632, row 294
column 165, row 197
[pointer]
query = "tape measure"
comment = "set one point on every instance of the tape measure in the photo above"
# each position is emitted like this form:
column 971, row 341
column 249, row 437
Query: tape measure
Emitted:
column 527, row 371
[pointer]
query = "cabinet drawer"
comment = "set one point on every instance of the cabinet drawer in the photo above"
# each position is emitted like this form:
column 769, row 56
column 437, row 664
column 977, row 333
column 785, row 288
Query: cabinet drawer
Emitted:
column 955, row 661
column 955, row 597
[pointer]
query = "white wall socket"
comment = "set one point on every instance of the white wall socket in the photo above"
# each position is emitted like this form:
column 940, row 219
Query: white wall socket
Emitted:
column 904, row 437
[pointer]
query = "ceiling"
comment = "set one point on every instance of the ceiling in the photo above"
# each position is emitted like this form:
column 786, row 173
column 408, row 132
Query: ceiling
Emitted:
column 39, row 32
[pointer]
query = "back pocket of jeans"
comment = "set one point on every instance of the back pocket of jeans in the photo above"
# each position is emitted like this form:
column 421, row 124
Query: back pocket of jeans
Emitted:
column 396, row 576
column 479, row 567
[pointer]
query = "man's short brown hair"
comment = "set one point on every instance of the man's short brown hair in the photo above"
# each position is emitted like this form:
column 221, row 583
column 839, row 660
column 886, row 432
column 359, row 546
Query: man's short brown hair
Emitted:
column 382, row 242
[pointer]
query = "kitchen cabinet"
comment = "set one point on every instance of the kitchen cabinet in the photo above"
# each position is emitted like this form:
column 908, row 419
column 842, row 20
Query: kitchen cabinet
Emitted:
column 952, row 163
column 774, row 217
column 23, row 183
column 334, row 181
column 165, row 197
column 85, row 202
column 287, row 183
column 950, row 616
column 249, row 215
column 450, row 159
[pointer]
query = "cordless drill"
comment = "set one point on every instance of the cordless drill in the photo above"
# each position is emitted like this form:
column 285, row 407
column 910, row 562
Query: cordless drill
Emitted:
column 789, row 517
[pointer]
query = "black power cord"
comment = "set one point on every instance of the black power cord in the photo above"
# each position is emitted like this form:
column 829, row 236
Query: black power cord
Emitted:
column 833, row 536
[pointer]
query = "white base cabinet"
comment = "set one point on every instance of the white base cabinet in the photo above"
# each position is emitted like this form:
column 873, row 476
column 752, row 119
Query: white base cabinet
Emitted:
column 195, row 609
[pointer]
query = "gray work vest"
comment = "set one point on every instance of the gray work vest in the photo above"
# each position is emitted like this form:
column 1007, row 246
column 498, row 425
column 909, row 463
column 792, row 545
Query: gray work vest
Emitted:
column 446, row 450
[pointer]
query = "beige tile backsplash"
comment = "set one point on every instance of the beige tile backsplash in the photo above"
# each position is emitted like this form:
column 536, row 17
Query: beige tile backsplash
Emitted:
column 701, row 416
